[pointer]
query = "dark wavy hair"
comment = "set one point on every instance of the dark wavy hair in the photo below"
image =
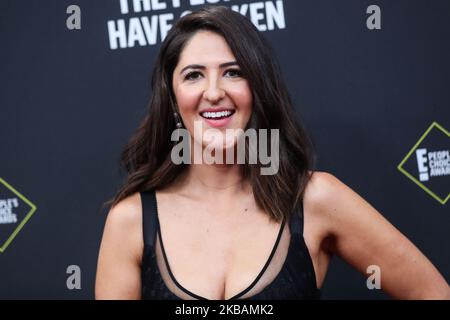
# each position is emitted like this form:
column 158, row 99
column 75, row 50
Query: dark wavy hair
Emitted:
column 146, row 157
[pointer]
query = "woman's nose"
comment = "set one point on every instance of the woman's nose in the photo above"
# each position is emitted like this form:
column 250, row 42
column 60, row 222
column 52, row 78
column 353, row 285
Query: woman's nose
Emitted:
column 213, row 92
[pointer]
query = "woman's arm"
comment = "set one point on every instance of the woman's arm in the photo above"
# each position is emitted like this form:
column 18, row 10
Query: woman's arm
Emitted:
column 118, row 269
column 363, row 237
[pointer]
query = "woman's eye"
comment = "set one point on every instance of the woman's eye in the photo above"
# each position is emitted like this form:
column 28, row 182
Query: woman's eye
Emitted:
column 195, row 75
column 192, row 75
column 233, row 73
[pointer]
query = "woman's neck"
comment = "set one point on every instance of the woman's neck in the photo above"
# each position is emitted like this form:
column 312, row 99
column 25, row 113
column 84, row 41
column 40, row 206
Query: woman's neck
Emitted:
column 216, row 178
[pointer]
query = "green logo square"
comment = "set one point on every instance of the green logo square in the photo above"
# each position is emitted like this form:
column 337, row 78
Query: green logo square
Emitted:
column 12, row 222
column 427, row 164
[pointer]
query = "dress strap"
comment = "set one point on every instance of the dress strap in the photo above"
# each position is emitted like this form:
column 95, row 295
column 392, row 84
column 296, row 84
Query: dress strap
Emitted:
column 149, row 223
column 297, row 221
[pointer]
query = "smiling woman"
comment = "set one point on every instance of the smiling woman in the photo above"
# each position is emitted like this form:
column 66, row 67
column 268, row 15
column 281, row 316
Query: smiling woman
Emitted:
column 225, row 231
column 213, row 93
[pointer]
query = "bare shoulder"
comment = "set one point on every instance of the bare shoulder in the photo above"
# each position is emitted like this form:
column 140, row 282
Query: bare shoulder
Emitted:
column 118, row 267
column 321, row 199
column 124, row 224
column 127, row 213
column 322, row 185
column 339, row 210
column 324, row 192
column 328, row 195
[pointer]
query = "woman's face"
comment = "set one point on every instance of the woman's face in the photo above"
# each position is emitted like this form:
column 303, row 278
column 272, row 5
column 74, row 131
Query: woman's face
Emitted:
column 209, row 88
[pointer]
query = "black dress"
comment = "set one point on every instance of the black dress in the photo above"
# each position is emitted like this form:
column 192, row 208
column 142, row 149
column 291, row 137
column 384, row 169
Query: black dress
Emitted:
column 295, row 280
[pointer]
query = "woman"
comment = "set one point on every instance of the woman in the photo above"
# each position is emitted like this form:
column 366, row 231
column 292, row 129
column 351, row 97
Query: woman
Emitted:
column 226, row 231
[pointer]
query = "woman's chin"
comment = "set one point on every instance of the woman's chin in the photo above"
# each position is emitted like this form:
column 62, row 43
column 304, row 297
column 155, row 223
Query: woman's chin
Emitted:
column 219, row 147
column 219, row 153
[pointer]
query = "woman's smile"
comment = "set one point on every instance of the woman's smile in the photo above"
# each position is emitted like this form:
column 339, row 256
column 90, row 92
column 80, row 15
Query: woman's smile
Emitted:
column 218, row 117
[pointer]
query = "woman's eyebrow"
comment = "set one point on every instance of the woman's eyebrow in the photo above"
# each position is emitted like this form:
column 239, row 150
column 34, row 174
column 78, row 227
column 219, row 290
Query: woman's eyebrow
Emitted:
column 199, row 66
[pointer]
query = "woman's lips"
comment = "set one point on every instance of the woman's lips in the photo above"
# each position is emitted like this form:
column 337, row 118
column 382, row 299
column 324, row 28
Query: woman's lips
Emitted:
column 220, row 122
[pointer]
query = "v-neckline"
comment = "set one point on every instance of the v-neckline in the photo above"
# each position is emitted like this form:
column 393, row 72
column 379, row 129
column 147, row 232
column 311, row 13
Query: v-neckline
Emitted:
column 236, row 296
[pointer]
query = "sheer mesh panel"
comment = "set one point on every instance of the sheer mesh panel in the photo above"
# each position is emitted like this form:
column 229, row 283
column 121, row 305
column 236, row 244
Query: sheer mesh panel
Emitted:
column 272, row 271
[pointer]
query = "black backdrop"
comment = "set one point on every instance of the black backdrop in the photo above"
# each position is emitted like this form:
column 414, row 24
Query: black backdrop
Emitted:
column 69, row 103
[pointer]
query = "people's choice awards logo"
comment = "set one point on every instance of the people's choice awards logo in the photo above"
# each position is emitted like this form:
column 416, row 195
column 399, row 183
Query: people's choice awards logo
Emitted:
column 428, row 163
column 15, row 211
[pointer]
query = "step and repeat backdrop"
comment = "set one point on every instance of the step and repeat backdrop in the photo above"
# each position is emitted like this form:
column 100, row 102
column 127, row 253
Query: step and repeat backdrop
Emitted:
column 370, row 81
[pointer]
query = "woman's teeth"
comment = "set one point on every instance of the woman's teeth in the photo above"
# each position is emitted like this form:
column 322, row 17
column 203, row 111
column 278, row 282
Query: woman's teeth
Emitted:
column 216, row 115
